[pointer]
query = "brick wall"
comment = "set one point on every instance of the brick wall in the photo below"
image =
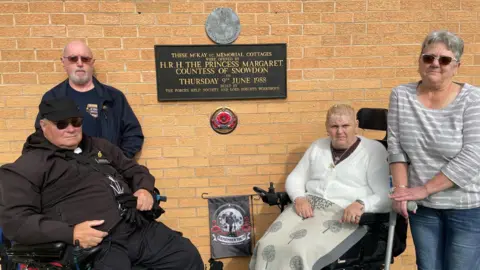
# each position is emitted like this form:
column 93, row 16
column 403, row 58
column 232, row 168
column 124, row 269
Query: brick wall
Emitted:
column 338, row 51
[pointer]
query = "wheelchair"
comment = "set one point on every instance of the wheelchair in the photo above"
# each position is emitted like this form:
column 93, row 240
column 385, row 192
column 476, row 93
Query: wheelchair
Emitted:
column 53, row 256
column 386, row 232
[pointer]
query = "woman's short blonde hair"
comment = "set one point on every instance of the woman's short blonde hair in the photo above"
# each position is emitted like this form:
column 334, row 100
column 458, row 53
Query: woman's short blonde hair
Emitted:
column 340, row 109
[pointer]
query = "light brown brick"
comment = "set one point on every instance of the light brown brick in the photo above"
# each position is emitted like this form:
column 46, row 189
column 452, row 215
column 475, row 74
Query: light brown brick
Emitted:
column 288, row 7
column 123, row 54
column 178, row 151
column 336, row 40
column 181, row 212
column 31, row 43
column 153, row 7
column 120, row 31
column 212, row 191
column 45, row 7
column 323, row 29
column 470, row 5
column 162, row 163
column 14, row 7
column 85, row 31
column 14, row 135
column 256, row 7
column 104, row 43
column 348, row 94
column 138, row 43
column 180, row 192
column 10, row 90
column 384, row 5
column 223, row 181
column 156, row 30
column 172, row 19
column 31, row 19
column 123, row 7
column 36, row 67
column 193, row 222
column 305, row 18
column 192, row 202
column 411, row 28
column 22, row 101
column 305, row 41
column 193, row 182
column 337, row 17
column 193, row 161
column 318, row 6
column 49, row 54
column 469, row 27
column 82, row 7
column 51, row 78
column 209, row 171
column 446, row 4
column 276, row 18
column 20, row 31
column 19, row 78
column 350, row 28
column 17, row 55
column 271, row 149
column 286, row 30
column 7, row 43
column 190, row 31
column 123, row 77
column 68, row 19
column 51, row 31
column 102, row 19
column 9, row 67
column 137, row 19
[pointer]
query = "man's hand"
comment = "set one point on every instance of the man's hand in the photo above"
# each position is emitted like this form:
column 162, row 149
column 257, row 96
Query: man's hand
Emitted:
column 86, row 235
column 144, row 200
column 353, row 213
column 303, row 207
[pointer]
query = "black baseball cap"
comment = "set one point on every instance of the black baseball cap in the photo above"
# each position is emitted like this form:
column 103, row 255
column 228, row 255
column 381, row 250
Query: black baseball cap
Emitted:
column 59, row 109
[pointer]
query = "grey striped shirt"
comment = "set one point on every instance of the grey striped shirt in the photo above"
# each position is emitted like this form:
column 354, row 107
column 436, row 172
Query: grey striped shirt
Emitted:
column 446, row 140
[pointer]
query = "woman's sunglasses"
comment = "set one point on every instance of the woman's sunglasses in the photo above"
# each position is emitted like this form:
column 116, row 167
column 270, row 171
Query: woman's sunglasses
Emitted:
column 63, row 124
column 442, row 60
column 74, row 59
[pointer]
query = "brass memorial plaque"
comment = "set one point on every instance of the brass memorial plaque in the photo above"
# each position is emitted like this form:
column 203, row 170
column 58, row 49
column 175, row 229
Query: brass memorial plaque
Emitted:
column 212, row 72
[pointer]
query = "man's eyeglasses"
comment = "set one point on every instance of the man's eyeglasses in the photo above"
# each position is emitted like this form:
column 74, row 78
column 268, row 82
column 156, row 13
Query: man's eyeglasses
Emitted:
column 74, row 59
column 63, row 124
column 442, row 60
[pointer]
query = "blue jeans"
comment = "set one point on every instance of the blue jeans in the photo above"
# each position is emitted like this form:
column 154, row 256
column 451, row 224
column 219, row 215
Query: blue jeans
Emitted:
column 446, row 239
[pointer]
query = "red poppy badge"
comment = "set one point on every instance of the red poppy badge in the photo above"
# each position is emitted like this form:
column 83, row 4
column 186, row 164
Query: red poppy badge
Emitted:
column 223, row 121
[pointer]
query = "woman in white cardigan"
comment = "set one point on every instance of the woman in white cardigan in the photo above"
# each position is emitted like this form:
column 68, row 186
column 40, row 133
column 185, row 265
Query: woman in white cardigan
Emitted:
column 349, row 170
column 336, row 181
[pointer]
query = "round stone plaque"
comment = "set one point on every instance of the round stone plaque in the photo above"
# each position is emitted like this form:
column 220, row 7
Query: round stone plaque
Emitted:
column 223, row 26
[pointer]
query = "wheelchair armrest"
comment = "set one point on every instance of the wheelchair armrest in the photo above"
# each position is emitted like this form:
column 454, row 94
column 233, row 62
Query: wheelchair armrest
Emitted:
column 374, row 218
column 46, row 251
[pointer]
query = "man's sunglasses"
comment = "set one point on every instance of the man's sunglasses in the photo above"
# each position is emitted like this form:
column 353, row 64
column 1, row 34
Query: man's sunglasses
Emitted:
column 442, row 60
column 74, row 59
column 63, row 124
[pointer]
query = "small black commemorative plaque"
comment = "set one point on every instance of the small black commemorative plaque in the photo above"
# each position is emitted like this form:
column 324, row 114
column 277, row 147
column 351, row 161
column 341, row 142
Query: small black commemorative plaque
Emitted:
column 214, row 72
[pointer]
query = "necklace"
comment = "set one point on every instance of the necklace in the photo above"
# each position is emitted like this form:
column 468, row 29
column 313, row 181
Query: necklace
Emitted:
column 336, row 159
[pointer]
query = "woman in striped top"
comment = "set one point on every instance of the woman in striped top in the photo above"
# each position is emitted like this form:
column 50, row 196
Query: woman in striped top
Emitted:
column 434, row 155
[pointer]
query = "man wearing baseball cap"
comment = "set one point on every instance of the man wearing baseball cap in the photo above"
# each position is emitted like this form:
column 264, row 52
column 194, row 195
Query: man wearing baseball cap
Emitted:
column 78, row 189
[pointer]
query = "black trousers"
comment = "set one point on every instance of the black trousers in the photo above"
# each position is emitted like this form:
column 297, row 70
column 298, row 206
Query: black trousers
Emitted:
column 155, row 246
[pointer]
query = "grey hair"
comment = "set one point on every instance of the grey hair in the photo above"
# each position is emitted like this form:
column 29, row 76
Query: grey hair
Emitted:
column 453, row 42
column 340, row 109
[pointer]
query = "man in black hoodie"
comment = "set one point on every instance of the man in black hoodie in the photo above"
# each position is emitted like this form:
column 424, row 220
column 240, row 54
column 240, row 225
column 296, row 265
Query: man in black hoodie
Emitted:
column 70, row 187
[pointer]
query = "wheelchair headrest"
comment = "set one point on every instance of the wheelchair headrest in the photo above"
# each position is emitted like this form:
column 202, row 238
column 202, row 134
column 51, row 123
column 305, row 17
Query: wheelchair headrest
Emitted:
column 372, row 118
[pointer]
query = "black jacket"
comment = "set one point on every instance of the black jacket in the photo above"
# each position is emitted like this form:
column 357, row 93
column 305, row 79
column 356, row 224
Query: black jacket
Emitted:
column 45, row 192
column 119, row 125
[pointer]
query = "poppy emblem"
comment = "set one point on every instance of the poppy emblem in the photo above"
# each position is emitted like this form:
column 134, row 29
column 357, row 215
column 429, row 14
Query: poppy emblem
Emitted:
column 223, row 121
